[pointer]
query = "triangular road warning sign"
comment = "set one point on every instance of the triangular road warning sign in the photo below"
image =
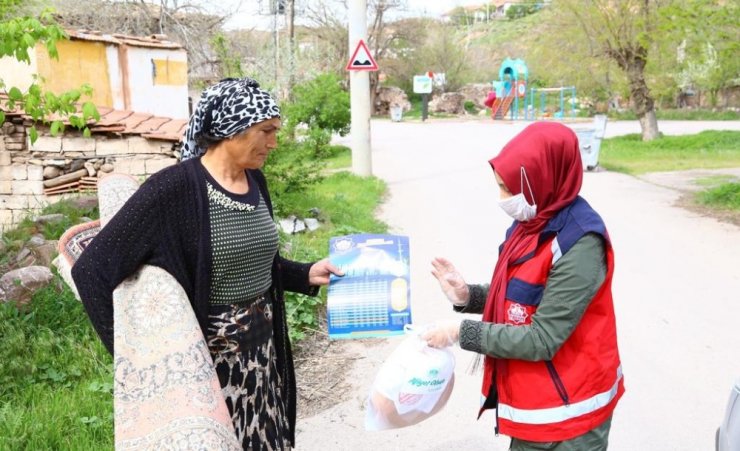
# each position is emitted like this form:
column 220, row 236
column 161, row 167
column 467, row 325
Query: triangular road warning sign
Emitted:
column 361, row 58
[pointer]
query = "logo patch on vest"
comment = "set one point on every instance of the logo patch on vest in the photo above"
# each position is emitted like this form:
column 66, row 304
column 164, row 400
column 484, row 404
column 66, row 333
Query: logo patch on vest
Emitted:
column 517, row 314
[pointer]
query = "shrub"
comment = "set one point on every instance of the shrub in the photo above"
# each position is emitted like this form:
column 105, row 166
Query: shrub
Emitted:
column 319, row 109
column 292, row 168
column 321, row 104
column 725, row 196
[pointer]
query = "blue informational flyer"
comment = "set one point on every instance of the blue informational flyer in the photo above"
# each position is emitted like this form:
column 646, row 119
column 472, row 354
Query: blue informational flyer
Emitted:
column 372, row 299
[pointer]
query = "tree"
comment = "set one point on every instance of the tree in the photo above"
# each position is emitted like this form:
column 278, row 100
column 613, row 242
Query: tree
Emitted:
column 575, row 63
column 444, row 52
column 381, row 37
column 20, row 33
column 229, row 66
column 329, row 31
column 290, row 13
column 709, row 43
column 330, row 27
column 518, row 11
column 321, row 107
column 190, row 24
column 623, row 32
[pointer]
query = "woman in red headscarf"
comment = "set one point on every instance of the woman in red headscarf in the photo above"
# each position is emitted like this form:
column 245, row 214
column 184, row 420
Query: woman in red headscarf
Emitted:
column 548, row 335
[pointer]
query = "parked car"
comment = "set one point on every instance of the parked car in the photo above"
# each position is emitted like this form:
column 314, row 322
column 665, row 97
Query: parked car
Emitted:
column 728, row 434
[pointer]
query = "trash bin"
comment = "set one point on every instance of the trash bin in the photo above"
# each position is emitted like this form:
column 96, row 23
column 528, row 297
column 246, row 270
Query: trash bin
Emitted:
column 396, row 113
column 589, row 154
column 589, row 141
column 600, row 125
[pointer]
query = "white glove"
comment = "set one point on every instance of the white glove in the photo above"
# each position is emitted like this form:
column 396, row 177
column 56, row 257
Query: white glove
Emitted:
column 442, row 334
column 452, row 283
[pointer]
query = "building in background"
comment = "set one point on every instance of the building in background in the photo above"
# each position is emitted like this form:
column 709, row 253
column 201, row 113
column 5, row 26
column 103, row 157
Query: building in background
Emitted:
column 142, row 74
column 140, row 86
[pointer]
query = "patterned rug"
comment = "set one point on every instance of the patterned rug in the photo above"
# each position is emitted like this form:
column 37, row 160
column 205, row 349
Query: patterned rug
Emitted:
column 113, row 191
column 166, row 392
column 167, row 395
column 70, row 246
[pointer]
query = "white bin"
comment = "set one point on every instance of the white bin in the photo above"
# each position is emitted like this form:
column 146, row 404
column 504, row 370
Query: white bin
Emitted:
column 396, row 113
column 589, row 141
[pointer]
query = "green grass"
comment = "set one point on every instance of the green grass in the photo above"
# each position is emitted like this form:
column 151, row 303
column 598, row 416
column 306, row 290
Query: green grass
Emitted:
column 726, row 196
column 681, row 115
column 15, row 238
column 500, row 33
column 348, row 204
column 341, row 157
column 668, row 115
column 706, row 150
column 56, row 378
column 714, row 180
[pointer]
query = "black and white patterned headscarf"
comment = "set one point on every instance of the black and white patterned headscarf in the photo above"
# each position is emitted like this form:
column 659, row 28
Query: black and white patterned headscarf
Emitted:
column 226, row 109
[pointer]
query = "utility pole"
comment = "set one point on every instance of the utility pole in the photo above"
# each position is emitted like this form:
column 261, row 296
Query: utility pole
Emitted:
column 359, row 83
column 276, row 41
column 290, row 11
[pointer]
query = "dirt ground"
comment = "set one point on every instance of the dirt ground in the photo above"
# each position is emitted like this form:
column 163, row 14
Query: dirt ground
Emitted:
column 321, row 367
column 688, row 202
column 691, row 182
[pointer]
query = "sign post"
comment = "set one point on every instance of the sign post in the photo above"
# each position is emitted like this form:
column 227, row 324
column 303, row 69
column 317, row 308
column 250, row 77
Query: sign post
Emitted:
column 362, row 59
column 423, row 86
column 360, row 63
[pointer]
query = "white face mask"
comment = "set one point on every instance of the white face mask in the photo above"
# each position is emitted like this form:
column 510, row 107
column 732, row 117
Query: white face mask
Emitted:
column 517, row 206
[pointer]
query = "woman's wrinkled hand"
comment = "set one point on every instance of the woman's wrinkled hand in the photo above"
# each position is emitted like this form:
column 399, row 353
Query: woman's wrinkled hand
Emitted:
column 452, row 283
column 320, row 271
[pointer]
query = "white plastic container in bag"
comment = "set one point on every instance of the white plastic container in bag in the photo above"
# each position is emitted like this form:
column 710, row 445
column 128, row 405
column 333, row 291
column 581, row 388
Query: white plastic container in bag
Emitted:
column 413, row 384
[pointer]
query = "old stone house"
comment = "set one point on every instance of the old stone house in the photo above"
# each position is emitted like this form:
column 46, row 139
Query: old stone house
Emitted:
column 143, row 74
column 34, row 175
column 140, row 89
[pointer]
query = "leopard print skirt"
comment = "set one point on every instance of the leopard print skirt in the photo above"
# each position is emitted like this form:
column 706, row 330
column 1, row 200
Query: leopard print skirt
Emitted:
column 241, row 343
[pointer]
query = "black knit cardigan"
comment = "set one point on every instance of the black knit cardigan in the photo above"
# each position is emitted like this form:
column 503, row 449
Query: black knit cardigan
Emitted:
column 166, row 224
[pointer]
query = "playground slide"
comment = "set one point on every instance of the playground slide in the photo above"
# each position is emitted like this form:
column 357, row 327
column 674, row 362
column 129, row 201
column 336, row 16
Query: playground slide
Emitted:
column 501, row 107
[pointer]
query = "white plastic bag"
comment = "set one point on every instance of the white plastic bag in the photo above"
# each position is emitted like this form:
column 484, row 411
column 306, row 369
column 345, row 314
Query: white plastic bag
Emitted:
column 413, row 384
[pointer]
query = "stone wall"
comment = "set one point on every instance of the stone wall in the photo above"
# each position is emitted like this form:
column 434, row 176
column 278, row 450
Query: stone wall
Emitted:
column 447, row 102
column 38, row 174
column 476, row 93
column 389, row 96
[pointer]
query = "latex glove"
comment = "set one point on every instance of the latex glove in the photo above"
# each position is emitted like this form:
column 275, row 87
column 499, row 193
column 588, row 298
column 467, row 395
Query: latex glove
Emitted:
column 452, row 283
column 319, row 272
column 442, row 334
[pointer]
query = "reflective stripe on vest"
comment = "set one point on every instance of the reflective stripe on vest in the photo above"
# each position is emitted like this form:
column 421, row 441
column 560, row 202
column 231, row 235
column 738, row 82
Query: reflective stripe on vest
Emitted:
column 562, row 413
column 556, row 252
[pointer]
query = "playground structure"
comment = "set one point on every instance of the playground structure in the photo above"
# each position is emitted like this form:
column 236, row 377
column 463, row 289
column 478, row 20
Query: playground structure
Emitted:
column 536, row 107
column 511, row 87
column 512, row 98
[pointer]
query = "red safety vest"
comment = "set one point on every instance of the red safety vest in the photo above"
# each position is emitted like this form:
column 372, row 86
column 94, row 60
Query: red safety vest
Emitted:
column 551, row 401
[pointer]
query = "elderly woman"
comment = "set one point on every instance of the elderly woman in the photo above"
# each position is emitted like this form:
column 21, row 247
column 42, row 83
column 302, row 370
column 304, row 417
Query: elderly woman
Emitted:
column 552, row 369
column 208, row 222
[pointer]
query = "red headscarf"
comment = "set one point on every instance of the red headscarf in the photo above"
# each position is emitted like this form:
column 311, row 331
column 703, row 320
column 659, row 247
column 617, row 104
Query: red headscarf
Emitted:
column 550, row 156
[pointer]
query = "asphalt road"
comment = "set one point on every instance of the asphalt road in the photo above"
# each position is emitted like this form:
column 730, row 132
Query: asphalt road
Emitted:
column 676, row 291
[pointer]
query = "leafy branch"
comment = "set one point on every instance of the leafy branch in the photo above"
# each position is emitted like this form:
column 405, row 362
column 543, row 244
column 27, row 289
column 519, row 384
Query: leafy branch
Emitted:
column 18, row 35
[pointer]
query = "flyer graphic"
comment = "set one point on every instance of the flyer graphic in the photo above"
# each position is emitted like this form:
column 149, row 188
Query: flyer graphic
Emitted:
column 372, row 299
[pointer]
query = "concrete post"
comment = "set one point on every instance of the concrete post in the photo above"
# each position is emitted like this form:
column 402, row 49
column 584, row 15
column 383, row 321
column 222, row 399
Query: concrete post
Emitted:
column 359, row 82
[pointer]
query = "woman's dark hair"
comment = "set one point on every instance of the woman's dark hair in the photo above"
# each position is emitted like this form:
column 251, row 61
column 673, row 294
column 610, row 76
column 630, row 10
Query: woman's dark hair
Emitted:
column 206, row 141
